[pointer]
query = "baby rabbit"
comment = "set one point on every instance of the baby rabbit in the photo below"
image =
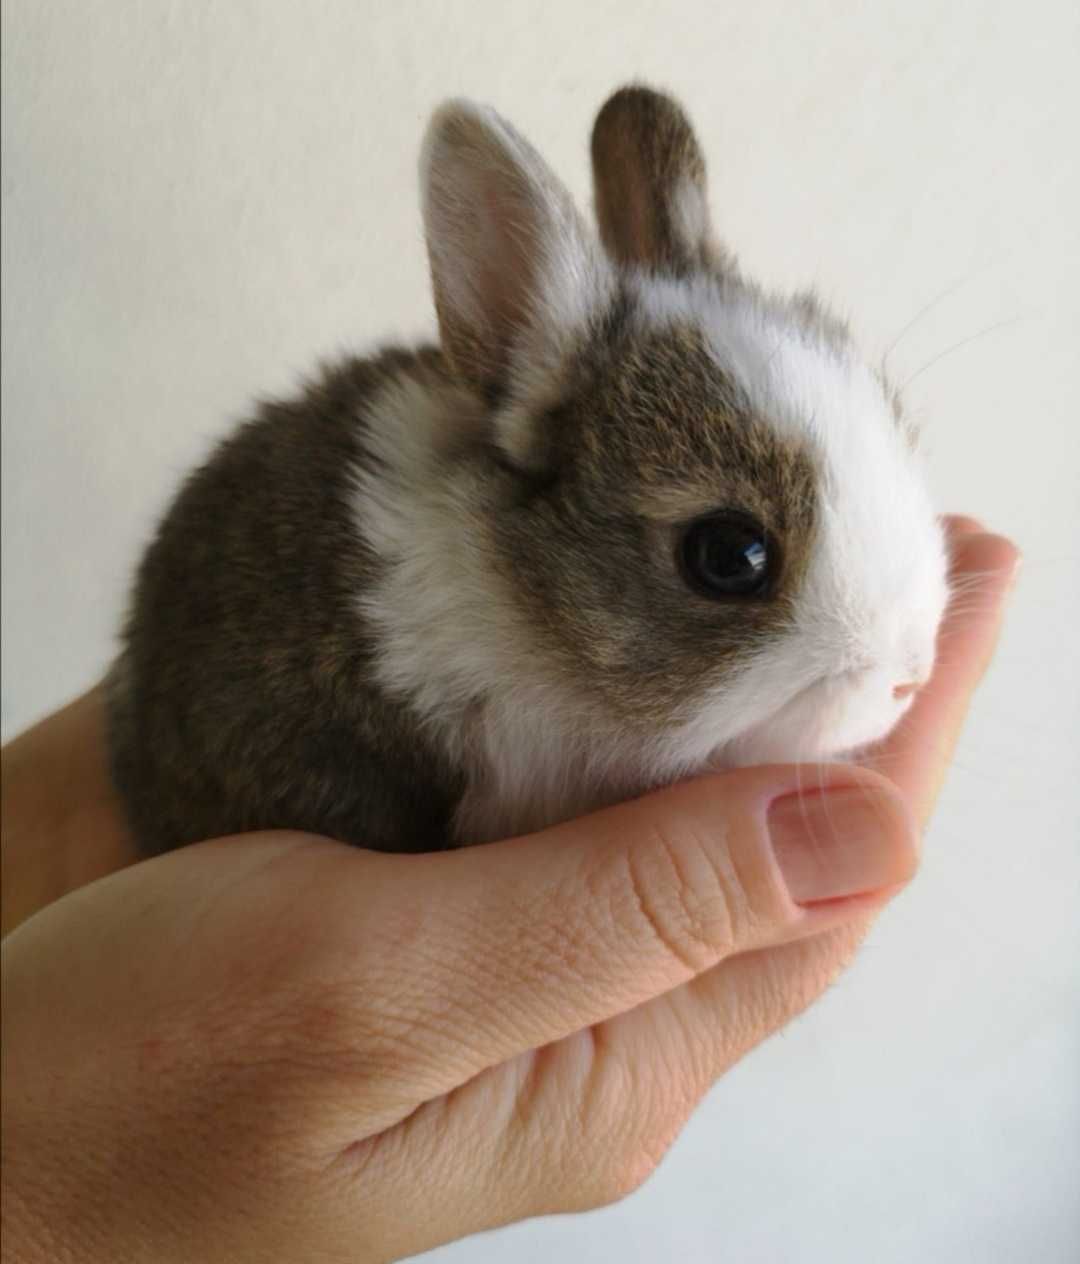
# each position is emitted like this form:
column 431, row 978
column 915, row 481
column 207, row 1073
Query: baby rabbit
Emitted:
column 631, row 519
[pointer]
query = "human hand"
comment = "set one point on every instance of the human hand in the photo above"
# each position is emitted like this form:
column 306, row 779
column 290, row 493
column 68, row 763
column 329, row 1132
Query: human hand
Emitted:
column 274, row 1046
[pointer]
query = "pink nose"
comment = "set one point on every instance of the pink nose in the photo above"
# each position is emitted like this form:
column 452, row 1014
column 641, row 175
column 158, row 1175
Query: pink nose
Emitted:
column 905, row 691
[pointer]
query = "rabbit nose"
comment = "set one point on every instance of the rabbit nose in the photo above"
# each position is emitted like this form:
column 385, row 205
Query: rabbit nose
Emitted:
column 906, row 690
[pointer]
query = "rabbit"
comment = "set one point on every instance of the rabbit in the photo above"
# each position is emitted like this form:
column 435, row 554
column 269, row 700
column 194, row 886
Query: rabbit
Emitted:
column 633, row 518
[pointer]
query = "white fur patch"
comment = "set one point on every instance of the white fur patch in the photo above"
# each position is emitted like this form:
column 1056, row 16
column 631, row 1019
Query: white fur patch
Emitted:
column 455, row 648
column 690, row 213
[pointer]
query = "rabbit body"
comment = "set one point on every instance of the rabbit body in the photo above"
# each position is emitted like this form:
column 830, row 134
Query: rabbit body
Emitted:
column 631, row 519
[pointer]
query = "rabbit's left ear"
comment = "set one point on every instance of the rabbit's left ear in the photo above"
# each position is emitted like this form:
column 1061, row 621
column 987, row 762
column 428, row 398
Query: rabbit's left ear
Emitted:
column 649, row 185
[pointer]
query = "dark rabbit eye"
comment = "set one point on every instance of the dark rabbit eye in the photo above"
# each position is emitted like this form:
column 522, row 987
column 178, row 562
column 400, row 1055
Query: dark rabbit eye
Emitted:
column 726, row 555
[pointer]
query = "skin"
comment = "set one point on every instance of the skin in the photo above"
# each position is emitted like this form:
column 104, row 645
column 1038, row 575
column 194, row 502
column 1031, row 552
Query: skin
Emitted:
column 277, row 1047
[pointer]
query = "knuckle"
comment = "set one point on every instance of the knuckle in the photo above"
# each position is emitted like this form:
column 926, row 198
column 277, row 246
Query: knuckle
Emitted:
column 687, row 899
column 614, row 1167
column 611, row 1184
column 603, row 1173
column 602, row 1151
column 626, row 1174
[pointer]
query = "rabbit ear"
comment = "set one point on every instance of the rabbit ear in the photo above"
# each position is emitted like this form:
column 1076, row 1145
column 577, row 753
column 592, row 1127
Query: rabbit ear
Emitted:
column 649, row 184
column 512, row 264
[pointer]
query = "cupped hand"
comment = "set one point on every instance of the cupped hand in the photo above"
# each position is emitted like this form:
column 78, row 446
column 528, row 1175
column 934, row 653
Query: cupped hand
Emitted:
column 277, row 1047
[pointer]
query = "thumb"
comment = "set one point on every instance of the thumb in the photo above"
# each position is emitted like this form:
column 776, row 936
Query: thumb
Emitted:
column 529, row 940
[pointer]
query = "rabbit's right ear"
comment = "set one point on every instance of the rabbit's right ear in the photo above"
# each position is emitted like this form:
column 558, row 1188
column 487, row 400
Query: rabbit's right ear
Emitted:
column 514, row 269
column 649, row 185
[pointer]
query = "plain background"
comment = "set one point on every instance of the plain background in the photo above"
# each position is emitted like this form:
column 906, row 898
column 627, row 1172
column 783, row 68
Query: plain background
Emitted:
column 200, row 199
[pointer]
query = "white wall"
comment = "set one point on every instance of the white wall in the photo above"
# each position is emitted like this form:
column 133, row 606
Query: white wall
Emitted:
column 200, row 198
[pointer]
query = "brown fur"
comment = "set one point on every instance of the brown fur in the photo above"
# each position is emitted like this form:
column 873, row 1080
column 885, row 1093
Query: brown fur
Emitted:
column 644, row 155
column 243, row 698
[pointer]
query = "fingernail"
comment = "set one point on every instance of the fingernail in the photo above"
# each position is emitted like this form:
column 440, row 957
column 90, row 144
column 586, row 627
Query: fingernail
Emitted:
column 841, row 842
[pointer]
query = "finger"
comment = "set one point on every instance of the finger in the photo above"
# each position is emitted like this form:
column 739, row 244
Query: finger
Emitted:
column 583, row 1122
column 957, row 525
column 917, row 753
column 709, row 1024
column 62, row 824
column 521, row 943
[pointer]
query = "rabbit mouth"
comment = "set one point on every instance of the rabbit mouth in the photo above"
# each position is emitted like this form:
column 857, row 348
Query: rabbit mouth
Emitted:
column 826, row 720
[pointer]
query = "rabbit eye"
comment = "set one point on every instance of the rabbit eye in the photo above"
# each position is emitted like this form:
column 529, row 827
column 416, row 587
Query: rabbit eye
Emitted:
column 727, row 555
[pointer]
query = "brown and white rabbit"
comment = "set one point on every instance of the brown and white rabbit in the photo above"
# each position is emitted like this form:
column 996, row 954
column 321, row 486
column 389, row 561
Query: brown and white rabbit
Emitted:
column 632, row 519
